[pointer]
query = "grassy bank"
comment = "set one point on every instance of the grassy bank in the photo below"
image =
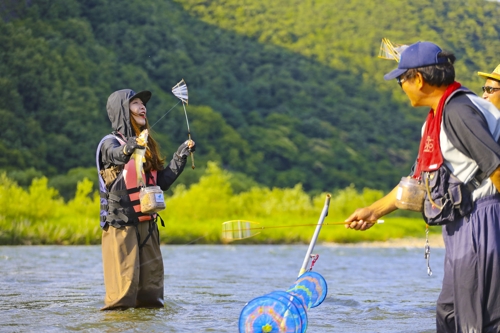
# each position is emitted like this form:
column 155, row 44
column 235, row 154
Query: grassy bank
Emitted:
column 38, row 215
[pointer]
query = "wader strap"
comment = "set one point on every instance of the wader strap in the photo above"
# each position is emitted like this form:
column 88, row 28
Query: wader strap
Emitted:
column 151, row 228
column 162, row 223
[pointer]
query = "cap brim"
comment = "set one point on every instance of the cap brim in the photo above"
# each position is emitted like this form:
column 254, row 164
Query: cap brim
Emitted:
column 493, row 76
column 144, row 96
column 394, row 74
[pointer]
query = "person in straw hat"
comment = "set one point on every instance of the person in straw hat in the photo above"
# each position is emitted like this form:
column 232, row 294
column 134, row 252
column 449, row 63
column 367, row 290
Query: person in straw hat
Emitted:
column 491, row 88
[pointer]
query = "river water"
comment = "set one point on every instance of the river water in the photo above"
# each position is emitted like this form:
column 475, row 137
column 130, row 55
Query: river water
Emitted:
column 60, row 288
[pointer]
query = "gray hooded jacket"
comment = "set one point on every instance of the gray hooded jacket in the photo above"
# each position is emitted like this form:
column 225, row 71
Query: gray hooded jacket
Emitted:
column 111, row 153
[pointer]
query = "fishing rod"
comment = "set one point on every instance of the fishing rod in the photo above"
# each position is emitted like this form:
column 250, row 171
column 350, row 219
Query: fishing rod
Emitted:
column 189, row 135
column 180, row 91
column 231, row 229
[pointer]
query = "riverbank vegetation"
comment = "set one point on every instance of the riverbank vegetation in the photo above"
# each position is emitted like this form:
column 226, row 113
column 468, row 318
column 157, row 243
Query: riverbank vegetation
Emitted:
column 39, row 215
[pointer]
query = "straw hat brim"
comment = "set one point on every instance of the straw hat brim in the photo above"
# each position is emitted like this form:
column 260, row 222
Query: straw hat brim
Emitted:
column 493, row 76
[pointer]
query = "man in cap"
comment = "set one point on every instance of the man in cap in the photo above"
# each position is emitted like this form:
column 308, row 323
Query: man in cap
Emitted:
column 491, row 88
column 460, row 134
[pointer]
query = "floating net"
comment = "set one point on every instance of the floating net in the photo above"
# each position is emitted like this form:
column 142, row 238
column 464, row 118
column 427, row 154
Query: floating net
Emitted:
column 275, row 312
column 284, row 311
column 311, row 288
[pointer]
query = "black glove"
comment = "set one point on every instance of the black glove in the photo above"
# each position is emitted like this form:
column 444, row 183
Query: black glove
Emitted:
column 183, row 151
column 131, row 145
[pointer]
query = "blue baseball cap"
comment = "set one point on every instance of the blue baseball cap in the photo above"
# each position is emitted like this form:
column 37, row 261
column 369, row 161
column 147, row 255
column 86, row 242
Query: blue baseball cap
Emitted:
column 416, row 55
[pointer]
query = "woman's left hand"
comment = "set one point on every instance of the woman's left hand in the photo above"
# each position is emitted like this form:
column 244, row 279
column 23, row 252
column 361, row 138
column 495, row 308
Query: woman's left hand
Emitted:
column 192, row 145
column 186, row 148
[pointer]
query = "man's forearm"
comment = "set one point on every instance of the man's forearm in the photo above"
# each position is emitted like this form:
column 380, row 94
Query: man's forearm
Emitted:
column 385, row 205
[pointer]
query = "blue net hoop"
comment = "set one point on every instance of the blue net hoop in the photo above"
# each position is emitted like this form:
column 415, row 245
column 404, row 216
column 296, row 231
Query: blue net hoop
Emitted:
column 277, row 312
column 310, row 288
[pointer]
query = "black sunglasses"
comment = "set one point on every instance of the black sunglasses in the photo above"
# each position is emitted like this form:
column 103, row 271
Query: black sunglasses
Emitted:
column 489, row 90
column 400, row 81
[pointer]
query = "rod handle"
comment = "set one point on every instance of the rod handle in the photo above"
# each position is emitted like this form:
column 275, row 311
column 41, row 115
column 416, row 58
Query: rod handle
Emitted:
column 191, row 153
column 192, row 159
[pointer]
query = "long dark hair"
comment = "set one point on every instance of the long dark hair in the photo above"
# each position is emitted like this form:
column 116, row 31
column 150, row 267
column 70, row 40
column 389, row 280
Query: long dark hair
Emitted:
column 154, row 161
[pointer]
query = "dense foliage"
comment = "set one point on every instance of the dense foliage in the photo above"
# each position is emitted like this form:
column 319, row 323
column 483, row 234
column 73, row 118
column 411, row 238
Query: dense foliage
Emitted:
column 38, row 215
column 281, row 92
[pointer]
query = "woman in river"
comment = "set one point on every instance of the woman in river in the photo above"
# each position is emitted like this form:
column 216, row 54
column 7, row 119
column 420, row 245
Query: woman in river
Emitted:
column 132, row 260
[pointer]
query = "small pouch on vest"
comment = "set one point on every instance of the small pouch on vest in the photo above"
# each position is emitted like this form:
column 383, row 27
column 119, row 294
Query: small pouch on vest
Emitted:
column 151, row 199
column 410, row 194
column 446, row 199
column 110, row 174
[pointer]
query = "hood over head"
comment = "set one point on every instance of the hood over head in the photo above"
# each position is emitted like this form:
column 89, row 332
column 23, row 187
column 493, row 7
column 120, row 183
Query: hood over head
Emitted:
column 119, row 112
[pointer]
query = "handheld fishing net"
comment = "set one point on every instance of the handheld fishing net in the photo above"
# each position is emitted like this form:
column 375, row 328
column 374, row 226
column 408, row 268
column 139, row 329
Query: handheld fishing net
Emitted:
column 282, row 311
column 391, row 51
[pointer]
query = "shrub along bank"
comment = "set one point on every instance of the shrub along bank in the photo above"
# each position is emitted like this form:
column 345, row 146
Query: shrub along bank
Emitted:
column 194, row 215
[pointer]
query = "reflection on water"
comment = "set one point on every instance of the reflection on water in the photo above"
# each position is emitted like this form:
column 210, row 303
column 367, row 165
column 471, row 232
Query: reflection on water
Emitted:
column 60, row 288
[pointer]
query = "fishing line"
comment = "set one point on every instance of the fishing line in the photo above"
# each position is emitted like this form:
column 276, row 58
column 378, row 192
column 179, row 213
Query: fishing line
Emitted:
column 189, row 243
column 165, row 114
column 197, row 239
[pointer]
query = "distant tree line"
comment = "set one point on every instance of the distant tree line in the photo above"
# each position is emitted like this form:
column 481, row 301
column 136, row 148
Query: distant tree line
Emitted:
column 281, row 92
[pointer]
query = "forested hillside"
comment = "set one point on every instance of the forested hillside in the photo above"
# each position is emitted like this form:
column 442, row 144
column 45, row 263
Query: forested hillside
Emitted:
column 282, row 91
